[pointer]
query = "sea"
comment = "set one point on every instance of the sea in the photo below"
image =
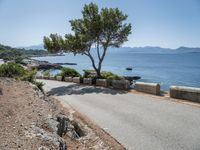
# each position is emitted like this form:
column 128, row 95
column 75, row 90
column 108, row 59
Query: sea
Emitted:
column 166, row 69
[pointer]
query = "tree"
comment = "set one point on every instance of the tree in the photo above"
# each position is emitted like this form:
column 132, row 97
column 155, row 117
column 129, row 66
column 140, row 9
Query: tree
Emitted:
column 99, row 29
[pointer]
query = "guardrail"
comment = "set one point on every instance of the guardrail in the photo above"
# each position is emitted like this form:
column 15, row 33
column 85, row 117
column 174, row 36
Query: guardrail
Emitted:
column 186, row 93
column 151, row 88
column 178, row 92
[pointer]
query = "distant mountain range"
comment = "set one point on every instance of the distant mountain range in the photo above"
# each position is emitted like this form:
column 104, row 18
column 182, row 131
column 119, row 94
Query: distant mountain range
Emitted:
column 147, row 49
column 40, row 46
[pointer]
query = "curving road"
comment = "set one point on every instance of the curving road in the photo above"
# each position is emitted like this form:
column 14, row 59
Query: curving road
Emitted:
column 139, row 122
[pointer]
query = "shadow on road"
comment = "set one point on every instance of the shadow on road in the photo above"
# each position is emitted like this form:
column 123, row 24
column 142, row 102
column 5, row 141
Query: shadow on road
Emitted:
column 76, row 89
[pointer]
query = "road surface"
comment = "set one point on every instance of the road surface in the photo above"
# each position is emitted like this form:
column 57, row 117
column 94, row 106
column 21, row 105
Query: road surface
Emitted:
column 139, row 122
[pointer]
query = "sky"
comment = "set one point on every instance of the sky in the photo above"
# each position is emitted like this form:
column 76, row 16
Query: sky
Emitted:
column 164, row 23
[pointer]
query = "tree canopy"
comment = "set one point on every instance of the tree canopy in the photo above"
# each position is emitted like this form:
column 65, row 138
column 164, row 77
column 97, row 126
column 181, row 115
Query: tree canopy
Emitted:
column 100, row 29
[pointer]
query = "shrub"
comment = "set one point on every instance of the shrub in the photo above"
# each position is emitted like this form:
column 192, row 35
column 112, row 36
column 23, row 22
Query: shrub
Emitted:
column 110, row 75
column 46, row 73
column 29, row 76
column 89, row 74
column 69, row 72
column 11, row 70
column 39, row 85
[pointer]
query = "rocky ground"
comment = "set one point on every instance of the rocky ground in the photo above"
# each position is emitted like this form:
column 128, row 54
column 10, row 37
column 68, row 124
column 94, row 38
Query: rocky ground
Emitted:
column 31, row 120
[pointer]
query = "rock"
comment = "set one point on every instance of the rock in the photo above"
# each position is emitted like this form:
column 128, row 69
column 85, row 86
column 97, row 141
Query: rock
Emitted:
column 131, row 78
column 63, row 125
column 43, row 148
column 49, row 137
column 1, row 91
column 72, row 129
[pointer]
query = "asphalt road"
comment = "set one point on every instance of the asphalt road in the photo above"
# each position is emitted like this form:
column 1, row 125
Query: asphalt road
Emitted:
column 139, row 122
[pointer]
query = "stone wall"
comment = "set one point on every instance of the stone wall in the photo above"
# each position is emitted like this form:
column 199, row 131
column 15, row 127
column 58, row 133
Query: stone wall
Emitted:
column 151, row 88
column 121, row 84
column 77, row 80
column 102, row 82
column 186, row 93
column 87, row 81
column 68, row 79
column 59, row 78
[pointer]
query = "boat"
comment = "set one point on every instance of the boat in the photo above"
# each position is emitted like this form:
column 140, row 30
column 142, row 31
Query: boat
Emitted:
column 129, row 68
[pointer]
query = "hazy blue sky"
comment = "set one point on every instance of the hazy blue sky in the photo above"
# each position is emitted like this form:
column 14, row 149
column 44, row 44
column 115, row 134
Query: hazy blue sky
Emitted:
column 165, row 23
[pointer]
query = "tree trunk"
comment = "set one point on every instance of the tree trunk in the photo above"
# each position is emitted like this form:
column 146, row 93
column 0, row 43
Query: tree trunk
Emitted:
column 98, row 72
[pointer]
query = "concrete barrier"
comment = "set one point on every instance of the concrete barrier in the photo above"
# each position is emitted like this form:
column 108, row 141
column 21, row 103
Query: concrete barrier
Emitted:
column 46, row 77
column 88, row 81
column 186, row 93
column 39, row 77
column 77, row 79
column 121, row 84
column 52, row 78
column 151, row 88
column 59, row 78
column 102, row 82
column 68, row 79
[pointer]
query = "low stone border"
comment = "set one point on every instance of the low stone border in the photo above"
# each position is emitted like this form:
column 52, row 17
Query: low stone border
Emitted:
column 89, row 81
column 51, row 78
column 39, row 77
column 121, row 84
column 102, row 82
column 151, row 88
column 77, row 79
column 68, row 79
column 186, row 93
column 46, row 77
column 59, row 78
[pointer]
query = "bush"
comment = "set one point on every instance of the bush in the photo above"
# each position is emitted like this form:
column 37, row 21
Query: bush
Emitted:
column 29, row 76
column 39, row 85
column 69, row 72
column 110, row 75
column 11, row 70
column 89, row 74
column 46, row 73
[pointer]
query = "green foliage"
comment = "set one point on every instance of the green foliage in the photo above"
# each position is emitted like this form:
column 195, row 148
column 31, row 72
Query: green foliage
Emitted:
column 46, row 73
column 105, row 28
column 11, row 70
column 17, row 54
column 110, row 75
column 53, row 44
column 39, row 85
column 29, row 76
column 89, row 73
column 69, row 72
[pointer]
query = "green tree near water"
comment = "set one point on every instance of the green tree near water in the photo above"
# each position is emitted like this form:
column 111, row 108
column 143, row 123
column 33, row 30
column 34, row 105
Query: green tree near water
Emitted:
column 100, row 29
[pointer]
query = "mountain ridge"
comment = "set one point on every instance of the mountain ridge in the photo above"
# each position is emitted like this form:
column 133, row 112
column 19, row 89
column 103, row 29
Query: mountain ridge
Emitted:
column 145, row 49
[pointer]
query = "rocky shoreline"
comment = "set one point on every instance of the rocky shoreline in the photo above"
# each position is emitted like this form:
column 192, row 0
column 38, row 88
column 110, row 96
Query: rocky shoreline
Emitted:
column 42, row 65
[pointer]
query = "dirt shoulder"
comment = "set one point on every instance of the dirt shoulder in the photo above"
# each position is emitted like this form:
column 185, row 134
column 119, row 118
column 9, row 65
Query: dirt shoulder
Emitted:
column 30, row 120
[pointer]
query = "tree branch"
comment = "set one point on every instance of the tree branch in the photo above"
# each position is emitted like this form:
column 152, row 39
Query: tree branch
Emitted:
column 98, row 50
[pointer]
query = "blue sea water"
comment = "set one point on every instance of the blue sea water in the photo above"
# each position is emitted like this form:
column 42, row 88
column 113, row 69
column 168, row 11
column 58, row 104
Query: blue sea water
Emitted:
column 166, row 69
